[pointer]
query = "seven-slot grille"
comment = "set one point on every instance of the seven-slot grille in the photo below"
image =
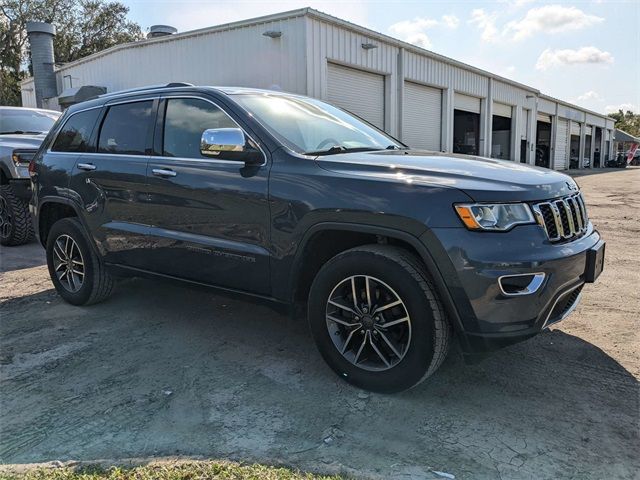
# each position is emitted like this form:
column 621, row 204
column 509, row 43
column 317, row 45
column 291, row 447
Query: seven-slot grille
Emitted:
column 564, row 218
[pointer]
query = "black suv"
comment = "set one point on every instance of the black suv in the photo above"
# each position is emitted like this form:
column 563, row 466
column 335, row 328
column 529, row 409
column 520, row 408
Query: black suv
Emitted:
column 291, row 200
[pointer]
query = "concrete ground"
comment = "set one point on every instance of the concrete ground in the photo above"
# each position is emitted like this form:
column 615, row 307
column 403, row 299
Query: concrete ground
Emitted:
column 163, row 370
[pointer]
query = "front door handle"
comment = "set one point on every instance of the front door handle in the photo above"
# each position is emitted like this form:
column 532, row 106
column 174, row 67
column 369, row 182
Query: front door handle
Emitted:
column 86, row 166
column 163, row 172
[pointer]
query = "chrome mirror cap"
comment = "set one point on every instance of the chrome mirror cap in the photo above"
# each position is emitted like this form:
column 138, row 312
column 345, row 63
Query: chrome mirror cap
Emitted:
column 215, row 141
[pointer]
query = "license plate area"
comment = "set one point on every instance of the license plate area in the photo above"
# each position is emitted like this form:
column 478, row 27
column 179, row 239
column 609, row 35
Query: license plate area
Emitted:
column 595, row 262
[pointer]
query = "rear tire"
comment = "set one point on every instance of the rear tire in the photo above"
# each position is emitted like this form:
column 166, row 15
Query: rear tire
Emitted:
column 15, row 220
column 77, row 273
column 400, row 331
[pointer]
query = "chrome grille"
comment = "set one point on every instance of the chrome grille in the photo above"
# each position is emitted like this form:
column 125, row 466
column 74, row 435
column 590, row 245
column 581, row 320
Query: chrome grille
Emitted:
column 564, row 218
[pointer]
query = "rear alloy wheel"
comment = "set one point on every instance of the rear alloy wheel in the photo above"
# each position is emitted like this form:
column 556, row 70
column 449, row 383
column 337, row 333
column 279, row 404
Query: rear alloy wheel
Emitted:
column 75, row 269
column 377, row 320
column 15, row 219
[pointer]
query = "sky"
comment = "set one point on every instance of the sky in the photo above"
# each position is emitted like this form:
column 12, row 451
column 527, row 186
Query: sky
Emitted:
column 585, row 52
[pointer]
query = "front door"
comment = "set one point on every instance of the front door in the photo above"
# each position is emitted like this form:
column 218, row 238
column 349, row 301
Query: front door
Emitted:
column 111, row 181
column 209, row 218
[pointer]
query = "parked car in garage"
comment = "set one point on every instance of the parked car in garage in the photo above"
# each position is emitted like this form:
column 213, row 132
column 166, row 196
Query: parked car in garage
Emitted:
column 290, row 200
column 22, row 130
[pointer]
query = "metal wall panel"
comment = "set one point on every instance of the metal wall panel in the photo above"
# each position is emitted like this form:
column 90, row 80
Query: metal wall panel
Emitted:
column 562, row 145
column 502, row 110
column 595, row 120
column 466, row 103
column 430, row 71
column 28, row 93
column 357, row 91
column 512, row 95
column 330, row 43
column 546, row 106
column 239, row 56
column 422, row 116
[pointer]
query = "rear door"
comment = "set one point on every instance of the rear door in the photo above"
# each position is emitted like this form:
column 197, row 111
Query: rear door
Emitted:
column 209, row 218
column 111, row 180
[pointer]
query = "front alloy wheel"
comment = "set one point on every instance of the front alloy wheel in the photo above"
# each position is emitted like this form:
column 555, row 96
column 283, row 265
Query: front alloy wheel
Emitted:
column 368, row 323
column 377, row 319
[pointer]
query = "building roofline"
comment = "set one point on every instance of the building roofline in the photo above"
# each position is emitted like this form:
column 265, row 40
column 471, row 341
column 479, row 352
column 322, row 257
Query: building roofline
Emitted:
column 313, row 13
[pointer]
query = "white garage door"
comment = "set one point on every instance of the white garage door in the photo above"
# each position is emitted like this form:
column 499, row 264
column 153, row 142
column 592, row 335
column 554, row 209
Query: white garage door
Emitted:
column 466, row 103
column 422, row 116
column 562, row 144
column 361, row 93
column 502, row 110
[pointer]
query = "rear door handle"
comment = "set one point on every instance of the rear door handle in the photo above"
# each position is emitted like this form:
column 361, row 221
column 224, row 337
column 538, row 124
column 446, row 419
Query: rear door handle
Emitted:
column 163, row 172
column 86, row 166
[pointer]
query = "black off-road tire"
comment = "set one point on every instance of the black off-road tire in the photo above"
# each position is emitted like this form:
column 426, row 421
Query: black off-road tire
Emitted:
column 98, row 283
column 18, row 217
column 431, row 331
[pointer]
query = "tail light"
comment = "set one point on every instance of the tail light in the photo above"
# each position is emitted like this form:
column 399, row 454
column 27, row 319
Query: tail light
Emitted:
column 32, row 168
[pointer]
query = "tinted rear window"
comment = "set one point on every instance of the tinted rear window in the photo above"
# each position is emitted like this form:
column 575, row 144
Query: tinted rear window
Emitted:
column 76, row 132
column 124, row 129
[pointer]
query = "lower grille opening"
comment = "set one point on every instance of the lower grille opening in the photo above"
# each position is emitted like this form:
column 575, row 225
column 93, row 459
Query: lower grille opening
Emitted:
column 564, row 305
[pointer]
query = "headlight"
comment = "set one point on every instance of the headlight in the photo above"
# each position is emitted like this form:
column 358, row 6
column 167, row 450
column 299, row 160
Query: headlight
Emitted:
column 494, row 216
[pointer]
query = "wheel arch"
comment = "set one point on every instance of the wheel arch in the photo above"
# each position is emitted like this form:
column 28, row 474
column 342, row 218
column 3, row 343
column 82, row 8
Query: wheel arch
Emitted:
column 303, row 273
column 50, row 210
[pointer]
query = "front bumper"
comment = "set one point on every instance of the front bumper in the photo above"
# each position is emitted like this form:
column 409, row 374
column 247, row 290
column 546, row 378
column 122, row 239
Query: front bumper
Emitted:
column 473, row 262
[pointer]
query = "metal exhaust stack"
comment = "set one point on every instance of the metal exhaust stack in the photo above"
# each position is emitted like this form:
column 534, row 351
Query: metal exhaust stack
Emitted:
column 42, row 60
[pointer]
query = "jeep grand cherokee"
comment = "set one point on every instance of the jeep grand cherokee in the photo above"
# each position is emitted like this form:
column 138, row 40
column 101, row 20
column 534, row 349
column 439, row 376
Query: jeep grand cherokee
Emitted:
column 291, row 200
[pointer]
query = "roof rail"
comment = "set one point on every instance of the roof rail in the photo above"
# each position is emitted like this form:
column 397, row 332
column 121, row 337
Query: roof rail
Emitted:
column 148, row 87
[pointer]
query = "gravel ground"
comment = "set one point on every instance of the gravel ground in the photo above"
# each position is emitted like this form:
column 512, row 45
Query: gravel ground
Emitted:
column 161, row 370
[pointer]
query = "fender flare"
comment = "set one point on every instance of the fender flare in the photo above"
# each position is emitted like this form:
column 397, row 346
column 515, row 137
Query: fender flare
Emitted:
column 429, row 262
column 59, row 200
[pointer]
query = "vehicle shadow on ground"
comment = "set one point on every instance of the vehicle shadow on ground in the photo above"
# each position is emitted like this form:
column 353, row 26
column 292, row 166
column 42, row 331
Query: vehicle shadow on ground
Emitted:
column 22, row 256
column 162, row 370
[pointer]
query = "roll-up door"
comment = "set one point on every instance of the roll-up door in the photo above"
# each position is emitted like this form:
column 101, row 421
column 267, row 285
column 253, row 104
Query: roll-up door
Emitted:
column 587, row 130
column 466, row 103
column 543, row 117
column 502, row 110
column 359, row 92
column 422, row 116
column 562, row 140
column 575, row 128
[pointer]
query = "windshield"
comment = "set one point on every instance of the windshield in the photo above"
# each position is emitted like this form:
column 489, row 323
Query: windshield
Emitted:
column 23, row 120
column 310, row 126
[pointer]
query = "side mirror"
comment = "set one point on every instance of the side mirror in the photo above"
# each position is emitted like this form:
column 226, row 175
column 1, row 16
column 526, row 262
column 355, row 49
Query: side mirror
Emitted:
column 229, row 144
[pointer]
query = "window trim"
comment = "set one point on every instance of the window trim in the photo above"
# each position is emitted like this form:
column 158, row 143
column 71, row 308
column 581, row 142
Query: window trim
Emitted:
column 159, row 124
column 55, row 138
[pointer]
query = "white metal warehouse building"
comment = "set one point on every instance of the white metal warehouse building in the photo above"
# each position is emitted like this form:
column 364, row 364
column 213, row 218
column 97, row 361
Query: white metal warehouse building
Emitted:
column 427, row 100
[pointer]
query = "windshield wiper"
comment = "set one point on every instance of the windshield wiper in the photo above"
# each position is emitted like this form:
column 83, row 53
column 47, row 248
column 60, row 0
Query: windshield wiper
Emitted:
column 340, row 149
column 20, row 132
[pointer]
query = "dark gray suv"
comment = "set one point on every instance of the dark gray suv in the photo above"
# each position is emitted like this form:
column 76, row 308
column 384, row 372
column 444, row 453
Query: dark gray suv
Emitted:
column 292, row 201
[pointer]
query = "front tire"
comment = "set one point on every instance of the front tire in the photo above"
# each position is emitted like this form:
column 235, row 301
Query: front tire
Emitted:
column 377, row 320
column 15, row 220
column 77, row 273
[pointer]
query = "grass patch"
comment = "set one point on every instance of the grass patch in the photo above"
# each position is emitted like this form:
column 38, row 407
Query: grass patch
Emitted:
column 169, row 471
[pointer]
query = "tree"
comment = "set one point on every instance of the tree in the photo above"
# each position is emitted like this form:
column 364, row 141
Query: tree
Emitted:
column 83, row 27
column 627, row 121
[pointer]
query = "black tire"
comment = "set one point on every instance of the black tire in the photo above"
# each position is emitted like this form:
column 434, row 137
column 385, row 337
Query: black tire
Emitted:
column 430, row 331
column 97, row 283
column 15, row 222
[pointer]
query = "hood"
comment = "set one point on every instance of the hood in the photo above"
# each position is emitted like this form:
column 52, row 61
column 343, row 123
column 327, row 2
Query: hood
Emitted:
column 22, row 141
column 483, row 179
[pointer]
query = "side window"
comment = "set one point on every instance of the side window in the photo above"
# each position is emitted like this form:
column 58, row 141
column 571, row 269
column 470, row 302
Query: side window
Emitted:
column 76, row 132
column 124, row 129
column 185, row 120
